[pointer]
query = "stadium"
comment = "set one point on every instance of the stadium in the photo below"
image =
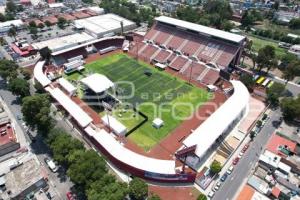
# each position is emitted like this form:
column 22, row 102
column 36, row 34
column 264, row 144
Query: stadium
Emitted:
column 175, row 58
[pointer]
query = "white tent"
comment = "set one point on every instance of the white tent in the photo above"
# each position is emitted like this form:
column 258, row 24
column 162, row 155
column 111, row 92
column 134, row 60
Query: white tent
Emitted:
column 115, row 125
column 97, row 82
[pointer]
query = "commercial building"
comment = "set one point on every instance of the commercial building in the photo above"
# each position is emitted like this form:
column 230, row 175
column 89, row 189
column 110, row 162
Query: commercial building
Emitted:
column 104, row 25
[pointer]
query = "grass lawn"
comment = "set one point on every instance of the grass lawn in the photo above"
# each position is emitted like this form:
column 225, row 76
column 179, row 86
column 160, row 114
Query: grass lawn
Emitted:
column 159, row 95
column 259, row 43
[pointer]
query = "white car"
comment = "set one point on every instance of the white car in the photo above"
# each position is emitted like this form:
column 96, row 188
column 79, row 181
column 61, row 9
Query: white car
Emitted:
column 240, row 155
column 229, row 170
column 52, row 166
column 211, row 194
column 217, row 186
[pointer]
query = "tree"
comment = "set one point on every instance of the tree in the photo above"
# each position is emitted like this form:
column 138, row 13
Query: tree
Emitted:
column 12, row 32
column 45, row 53
column 36, row 112
column 290, row 108
column 274, row 92
column 85, row 167
column 215, row 167
column 291, row 71
column 8, row 69
column 26, row 74
column 19, row 87
column 248, row 81
column 252, row 135
column 202, row 197
column 62, row 145
column 47, row 23
column 107, row 188
column 266, row 58
column 138, row 189
column 33, row 30
column 247, row 19
column 227, row 25
column 38, row 87
column 61, row 22
column 294, row 23
column 10, row 7
column 32, row 24
column 2, row 18
column 276, row 5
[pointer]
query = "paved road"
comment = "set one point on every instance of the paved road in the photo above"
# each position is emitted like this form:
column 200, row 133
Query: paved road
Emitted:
column 292, row 87
column 58, row 180
column 247, row 162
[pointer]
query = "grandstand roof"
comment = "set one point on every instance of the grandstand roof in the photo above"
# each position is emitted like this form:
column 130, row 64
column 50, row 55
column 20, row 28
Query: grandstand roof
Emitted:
column 75, row 110
column 207, row 133
column 201, row 29
column 67, row 85
column 129, row 157
column 64, row 42
column 97, row 82
column 103, row 24
column 39, row 74
column 84, row 45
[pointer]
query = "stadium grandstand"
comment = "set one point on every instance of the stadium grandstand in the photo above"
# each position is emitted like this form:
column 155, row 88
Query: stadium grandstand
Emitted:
column 194, row 148
column 190, row 49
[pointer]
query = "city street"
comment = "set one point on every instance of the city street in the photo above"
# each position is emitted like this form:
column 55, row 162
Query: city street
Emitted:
column 245, row 166
column 59, row 181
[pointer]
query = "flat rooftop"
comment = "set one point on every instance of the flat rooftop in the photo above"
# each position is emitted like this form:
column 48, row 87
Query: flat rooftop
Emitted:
column 60, row 43
column 103, row 23
column 6, row 134
column 23, row 176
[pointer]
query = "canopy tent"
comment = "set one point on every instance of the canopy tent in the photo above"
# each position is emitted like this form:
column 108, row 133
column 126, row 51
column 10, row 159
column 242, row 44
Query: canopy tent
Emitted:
column 97, row 83
column 114, row 124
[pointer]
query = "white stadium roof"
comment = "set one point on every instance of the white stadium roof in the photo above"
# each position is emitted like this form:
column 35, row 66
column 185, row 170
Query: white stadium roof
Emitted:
column 97, row 82
column 114, row 124
column 39, row 74
column 75, row 110
column 67, row 85
column 202, row 29
column 117, row 150
column 100, row 25
column 207, row 133
column 60, row 43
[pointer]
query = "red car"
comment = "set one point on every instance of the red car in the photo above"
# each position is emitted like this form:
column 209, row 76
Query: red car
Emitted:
column 70, row 196
column 245, row 148
column 235, row 161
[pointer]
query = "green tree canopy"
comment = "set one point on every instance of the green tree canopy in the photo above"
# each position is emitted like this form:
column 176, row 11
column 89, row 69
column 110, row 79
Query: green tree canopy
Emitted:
column 215, row 167
column 61, row 22
column 36, row 112
column 10, row 7
column 248, row 81
column 8, row 69
column 12, row 32
column 62, row 145
column 138, row 189
column 290, row 108
column 294, row 23
column 153, row 197
column 85, row 167
column 266, row 58
column 47, row 23
column 202, row 197
column 19, row 87
column 274, row 93
column 107, row 188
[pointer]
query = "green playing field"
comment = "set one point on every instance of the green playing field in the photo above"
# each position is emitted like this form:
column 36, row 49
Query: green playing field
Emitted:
column 155, row 93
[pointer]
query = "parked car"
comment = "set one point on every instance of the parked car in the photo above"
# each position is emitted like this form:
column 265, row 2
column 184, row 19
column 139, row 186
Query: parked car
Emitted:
column 224, row 177
column 240, row 155
column 229, row 170
column 70, row 196
column 52, row 166
column 217, row 186
column 245, row 148
column 235, row 161
column 211, row 194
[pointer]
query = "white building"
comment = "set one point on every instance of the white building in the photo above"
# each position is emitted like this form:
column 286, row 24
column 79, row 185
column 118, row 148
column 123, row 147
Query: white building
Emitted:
column 5, row 26
column 104, row 25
